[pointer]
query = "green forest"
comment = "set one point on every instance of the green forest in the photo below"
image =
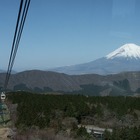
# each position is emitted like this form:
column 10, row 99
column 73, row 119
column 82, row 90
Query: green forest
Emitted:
column 63, row 112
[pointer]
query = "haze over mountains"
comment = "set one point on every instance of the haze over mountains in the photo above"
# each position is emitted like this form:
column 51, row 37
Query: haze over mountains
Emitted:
column 91, row 84
column 125, row 58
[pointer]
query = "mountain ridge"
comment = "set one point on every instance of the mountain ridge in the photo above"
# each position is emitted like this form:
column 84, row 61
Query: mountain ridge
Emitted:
column 93, row 84
column 125, row 58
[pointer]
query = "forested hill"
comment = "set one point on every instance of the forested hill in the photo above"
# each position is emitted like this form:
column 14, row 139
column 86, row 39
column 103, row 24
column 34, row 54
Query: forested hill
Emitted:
column 93, row 84
column 63, row 114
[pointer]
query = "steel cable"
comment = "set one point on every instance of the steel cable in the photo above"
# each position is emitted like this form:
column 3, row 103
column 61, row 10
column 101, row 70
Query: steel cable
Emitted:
column 17, row 36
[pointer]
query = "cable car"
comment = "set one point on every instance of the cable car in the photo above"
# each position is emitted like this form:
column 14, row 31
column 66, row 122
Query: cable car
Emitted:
column 3, row 96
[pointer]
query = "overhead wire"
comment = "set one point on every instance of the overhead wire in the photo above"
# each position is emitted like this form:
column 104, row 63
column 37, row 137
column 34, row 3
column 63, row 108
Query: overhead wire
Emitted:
column 17, row 36
column 21, row 29
column 14, row 39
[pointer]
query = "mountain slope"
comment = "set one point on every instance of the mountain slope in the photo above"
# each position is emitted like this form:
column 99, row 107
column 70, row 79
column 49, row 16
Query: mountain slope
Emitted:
column 125, row 58
column 129, row 51
column 93, row 84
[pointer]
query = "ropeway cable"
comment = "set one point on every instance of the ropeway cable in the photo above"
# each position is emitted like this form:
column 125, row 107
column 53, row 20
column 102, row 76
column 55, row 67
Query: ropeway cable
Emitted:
column 19, row 29
column 11, row 55
column 17, row 36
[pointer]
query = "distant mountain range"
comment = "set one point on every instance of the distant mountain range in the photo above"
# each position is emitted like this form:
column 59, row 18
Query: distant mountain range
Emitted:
column 90, row 84
column 4, row 71
column 125, row 58
column 118, row 73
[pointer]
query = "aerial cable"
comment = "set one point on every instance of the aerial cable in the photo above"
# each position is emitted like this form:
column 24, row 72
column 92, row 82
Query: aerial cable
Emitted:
column 21, row 29
column 11, row 55
column 17, row 36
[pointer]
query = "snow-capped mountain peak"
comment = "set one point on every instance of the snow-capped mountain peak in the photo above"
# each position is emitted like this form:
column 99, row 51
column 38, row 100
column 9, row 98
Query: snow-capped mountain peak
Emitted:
column 126, row 51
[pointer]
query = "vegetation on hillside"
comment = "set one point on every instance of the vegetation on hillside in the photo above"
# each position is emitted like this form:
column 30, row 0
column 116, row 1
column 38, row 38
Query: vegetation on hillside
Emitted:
column 63, row 112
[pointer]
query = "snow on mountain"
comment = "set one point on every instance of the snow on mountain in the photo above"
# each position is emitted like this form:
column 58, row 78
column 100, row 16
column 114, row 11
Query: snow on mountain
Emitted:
column 126, row 51
column 125, row 58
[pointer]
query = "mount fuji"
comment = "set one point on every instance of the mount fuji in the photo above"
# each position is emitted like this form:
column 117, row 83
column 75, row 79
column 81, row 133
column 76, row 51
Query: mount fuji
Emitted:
column 125, row 58
column 127, row 51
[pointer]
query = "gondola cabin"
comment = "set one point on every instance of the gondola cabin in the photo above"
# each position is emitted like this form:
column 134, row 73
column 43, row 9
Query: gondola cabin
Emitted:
column 3, row 96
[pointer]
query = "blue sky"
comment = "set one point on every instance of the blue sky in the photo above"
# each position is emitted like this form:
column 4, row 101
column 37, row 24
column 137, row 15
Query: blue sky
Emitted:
column 67, row 32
